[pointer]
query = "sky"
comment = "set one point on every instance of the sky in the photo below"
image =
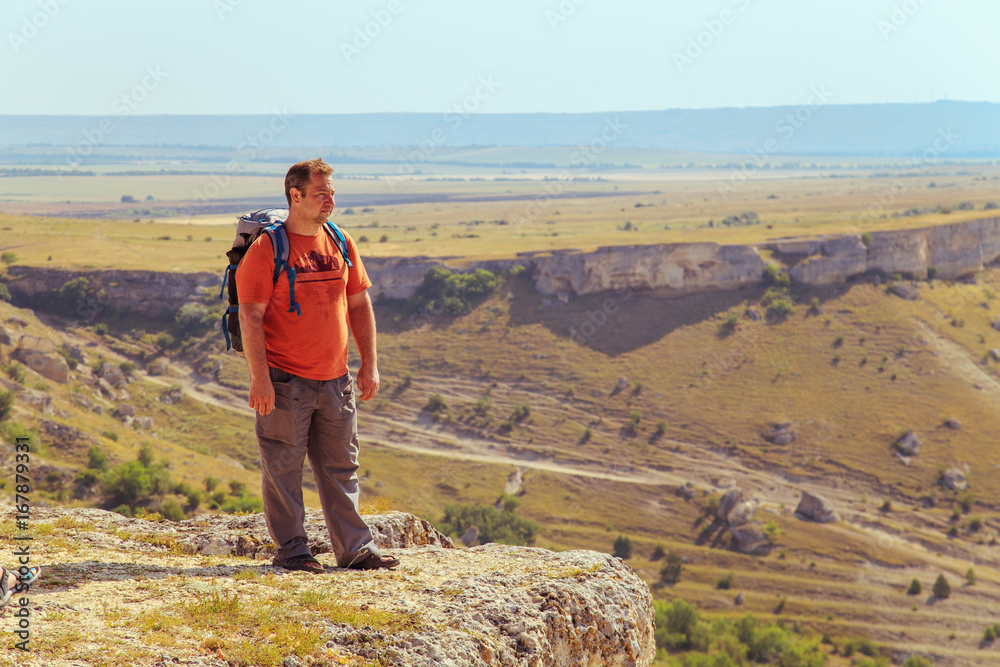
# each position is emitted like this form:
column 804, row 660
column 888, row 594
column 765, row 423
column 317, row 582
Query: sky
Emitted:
column 83, row 57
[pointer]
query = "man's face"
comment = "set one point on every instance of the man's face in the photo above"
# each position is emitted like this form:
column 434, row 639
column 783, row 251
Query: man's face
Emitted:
column 316, row 203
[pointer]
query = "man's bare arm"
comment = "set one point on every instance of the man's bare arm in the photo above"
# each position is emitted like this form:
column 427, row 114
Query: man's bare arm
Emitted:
column 252, row 331
column 362, row 317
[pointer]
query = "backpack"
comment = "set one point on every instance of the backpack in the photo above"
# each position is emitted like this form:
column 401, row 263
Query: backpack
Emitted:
column 270, row 221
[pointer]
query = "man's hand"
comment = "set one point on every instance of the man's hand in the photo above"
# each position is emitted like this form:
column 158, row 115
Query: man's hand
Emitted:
column 368, row 381
column 262, row 395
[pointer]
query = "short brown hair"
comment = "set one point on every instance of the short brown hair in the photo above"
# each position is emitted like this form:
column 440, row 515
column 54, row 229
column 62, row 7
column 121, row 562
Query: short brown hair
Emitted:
column 301, row 174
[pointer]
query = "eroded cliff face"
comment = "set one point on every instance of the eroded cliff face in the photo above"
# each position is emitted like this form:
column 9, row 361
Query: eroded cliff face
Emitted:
column 951, row 251
column 666, row 269
column 152, row 293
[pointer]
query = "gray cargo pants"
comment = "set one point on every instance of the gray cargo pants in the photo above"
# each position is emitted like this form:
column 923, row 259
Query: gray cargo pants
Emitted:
column 318, row 419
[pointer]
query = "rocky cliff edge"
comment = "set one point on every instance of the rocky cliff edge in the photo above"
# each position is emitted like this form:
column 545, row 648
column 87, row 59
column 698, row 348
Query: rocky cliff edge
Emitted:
column 122, row 591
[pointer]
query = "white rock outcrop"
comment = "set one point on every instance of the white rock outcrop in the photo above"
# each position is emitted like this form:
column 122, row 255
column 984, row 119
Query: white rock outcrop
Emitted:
column 491, row 605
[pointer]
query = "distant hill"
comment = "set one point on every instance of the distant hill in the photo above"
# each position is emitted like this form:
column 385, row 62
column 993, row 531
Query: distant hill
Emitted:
column 872, row 129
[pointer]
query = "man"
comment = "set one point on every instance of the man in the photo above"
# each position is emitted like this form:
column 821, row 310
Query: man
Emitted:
column 299, row 382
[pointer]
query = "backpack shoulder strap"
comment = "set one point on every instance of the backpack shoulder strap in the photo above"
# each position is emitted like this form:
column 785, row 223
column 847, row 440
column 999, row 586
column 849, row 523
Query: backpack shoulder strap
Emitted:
column 338, row 238
column 279, row 243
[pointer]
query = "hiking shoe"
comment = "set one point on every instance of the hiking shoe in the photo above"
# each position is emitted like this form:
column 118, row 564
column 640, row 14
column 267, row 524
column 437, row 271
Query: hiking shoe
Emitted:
column 8, row 582
column 31, row 576
column 301, row 564
column 372, row 561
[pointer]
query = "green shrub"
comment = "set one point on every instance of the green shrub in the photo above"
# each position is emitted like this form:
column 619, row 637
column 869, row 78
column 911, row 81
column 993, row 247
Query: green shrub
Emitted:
column 521, row 412
column 124, row 510
column 435, row 404
column 773, row 275
column 504, row 527
column 15, row 372
column 970, row 577
column 194, row 319
column 6, row 404
column 781, row 308
column 672, row 569
column 245, row 504
column 98, row 460
column 163, row 341
column 917, row 661
column 725, row 582
column 453, row 293
column 658, row 552
column 942, row 589
column 8, row 257
column 171, row 511
column 128, row 367
column 128, row 483
column 866, row 238
column 237, row 488
column 622, row 548
column 915, row 587
column 4, row 293
column 864, row 646
column 211, row 483
column 730, row 321
column 110, row 435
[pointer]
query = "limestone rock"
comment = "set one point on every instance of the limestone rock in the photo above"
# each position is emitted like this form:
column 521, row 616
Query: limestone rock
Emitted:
column 752, row 314
column 17, row 321
column 111, row 374
column 39, row 400
column 8, row 337
column 492, row 606
column 622, row 384
column 680, row 268
column 471, row 536
column 125, row 410
column 836, row 260
column 30, row 352
column 36, row 344
column 248, row 536
column 102, row 388
column 909, row 444
column 143, row 423
column 686, row 491
column 740, row 598
column 63, row 435
column 172, row 396
column 995, row 354
column 954, row 479
column 953, row 423
column 907, row 291
column 781, row 434
column 743, row 513
column 816, row 508
column 157, row 367
column 750, row 539
column 728, row 503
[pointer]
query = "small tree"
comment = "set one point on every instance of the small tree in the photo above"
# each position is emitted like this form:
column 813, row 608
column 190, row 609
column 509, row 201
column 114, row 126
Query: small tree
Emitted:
column 658, row 552
column 622, row 548
column 98, row 460
column 8, row 258
column 942, row 589
column 671, row 571
column 970, row 577
column 915, row 587
column 6, row 404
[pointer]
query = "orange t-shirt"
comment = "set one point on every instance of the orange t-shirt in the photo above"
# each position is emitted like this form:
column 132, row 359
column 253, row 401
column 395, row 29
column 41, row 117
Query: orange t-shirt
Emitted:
column 312, row 345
